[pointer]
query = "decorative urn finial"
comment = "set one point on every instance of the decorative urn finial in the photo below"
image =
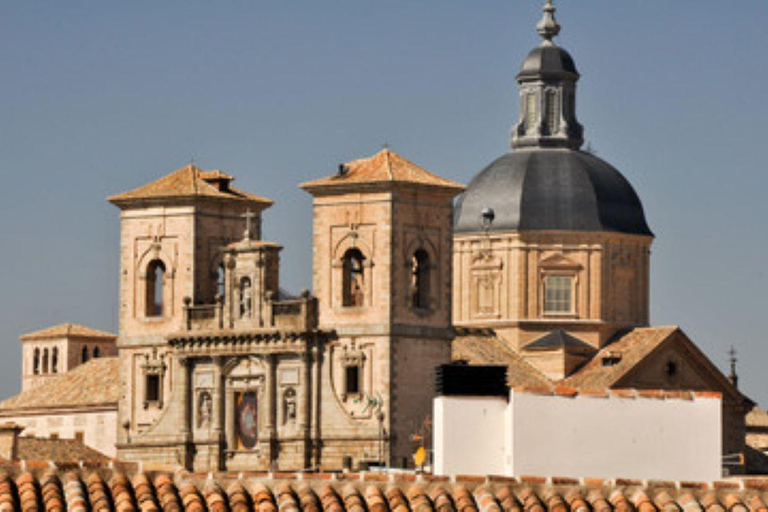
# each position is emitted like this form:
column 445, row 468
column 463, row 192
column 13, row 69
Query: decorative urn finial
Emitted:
column 548, row 27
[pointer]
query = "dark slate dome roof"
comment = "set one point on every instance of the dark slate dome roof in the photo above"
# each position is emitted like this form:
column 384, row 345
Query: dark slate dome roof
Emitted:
column 548, row 60
column 551, row 189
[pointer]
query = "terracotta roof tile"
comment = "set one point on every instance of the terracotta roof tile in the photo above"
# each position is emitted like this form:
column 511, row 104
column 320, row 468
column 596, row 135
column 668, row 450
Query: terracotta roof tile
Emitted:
column 104, row 489
column 385, row 166
column 91, row 383
column 57, row 450
column 67, row 330
column 627, row 352
column 189, row 182
column 484, row 347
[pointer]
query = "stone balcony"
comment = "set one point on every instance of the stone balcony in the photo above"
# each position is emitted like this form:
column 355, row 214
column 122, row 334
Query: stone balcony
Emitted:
column 295, row 315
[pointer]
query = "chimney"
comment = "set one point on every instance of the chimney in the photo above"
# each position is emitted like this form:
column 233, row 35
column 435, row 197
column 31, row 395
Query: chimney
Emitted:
column 9, row 440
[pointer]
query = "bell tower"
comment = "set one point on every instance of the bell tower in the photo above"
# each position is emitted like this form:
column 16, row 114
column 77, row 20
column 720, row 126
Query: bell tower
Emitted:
column 382, row 275
column 171, row 233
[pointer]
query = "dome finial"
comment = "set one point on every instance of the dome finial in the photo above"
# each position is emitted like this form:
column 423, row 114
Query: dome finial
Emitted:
column 548, row 27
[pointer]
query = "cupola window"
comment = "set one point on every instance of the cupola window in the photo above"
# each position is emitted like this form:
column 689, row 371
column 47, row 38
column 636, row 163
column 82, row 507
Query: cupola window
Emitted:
column 155, row 287
column 531, row 113
column 36, row 362
column 558, row 295
column 552, row 113
column 55, row 360
column 353, row 281
column 84, row 355
column 45, row 361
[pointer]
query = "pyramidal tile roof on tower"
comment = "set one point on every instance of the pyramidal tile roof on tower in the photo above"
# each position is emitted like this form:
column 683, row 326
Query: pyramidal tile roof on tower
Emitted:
column 66, row 331
column 91, row 384
column 386, row 166
column 190, row 182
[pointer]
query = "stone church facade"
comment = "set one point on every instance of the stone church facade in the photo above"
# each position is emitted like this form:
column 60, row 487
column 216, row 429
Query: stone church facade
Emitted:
column 542, row 264
column 220, row 370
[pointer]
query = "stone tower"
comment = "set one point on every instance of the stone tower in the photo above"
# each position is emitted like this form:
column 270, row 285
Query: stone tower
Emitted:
column 171, row 233
column 56, row 350
column 551, row 247
column 382, row 276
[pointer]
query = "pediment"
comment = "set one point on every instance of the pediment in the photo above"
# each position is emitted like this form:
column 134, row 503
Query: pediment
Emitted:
column 559, row 260
column 691, row 369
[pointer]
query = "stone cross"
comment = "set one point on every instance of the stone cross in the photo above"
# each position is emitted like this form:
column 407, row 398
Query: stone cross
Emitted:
column 248, row 216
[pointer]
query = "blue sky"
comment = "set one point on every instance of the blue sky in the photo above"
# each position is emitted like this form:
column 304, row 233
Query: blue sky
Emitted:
column 97, row 97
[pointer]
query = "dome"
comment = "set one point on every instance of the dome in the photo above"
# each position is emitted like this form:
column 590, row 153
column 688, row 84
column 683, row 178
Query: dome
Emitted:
column 548, row 60
column 551, row 189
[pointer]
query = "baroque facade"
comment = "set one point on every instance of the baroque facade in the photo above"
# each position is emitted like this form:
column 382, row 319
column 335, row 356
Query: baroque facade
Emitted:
column 219, row 369
column 542, row 264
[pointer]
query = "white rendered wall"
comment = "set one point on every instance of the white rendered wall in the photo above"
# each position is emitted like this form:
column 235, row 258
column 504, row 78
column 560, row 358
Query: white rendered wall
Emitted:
column 469, row 435
column 614, row 437
column 99, row 428
column 581, row 436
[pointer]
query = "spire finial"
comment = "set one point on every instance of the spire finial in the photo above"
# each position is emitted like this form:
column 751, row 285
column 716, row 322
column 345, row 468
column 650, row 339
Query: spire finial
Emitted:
column 548, row 27
column 733, row 377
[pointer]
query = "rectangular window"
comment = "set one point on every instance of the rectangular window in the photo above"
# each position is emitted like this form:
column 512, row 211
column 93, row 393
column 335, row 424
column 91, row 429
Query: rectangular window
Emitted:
column 80, row 437
column 352, row 380
column 558, row 295
column 152, row 391
column 531, row 115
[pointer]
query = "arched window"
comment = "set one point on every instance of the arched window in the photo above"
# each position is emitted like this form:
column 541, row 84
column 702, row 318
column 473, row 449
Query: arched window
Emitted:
column 220, row 281
column 84, row 355
column 155, row 286
column 36, row 362
column 246, row 298
column 420, row 279
column 353, row 281
column 96, row 352
column 45, row 360
column 55, row 360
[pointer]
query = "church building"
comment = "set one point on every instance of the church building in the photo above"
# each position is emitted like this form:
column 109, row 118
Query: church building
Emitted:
column 541, row 264
column 551, row 260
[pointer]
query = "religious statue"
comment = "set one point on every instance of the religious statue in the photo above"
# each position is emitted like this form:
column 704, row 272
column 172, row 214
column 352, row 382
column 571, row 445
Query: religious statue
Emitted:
column 246, row 298
column 289, row 406
column 204, row 409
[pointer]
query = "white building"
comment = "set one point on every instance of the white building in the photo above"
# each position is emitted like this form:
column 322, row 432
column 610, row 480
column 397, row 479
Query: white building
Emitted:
column 566, row 433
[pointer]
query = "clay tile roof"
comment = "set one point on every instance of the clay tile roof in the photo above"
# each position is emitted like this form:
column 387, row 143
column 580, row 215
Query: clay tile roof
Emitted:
column 90, row 384
column 108, row 489
column 57, row 450
column 385, row 166
column 67, row 331
column 485, row 347
column 559, row 339
column 188, row 182
column 624, row 354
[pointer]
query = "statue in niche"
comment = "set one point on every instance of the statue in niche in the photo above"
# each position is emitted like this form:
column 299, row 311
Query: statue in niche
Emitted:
column 289, row 406
column 204, row 409
column 246, row 298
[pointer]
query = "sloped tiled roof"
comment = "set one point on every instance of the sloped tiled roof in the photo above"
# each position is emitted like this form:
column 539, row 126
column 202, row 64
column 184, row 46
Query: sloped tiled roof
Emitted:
column 105, row 490
column 67, row 330
column 631, row 349
column 385, row 166
column 189, row 182
column 91, row 383
column 757, row 428
column 57, row 450
column 559, row 339
column 484, row 347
